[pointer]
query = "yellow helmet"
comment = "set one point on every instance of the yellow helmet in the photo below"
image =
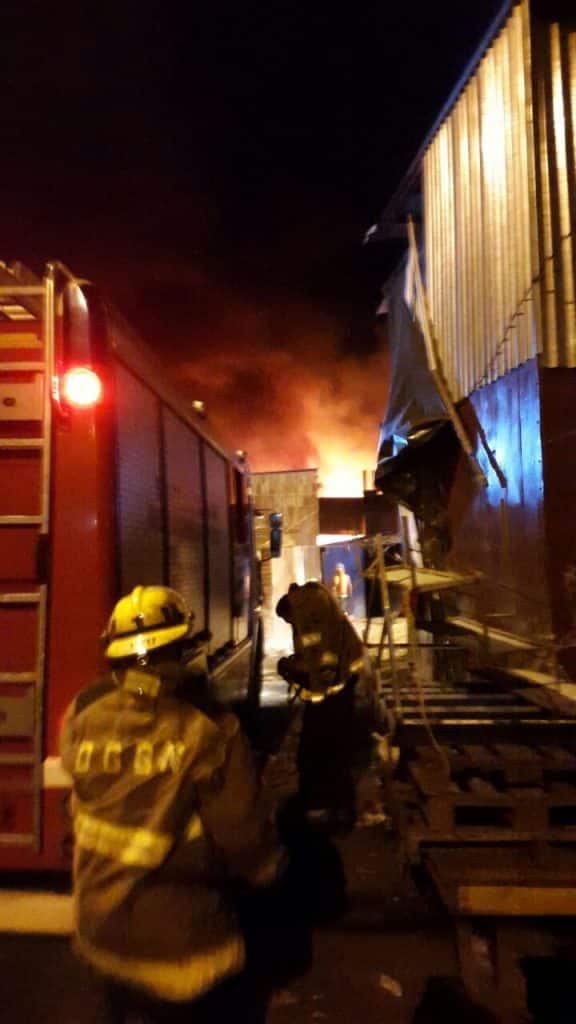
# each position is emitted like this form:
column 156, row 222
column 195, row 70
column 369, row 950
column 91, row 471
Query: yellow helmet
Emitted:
column 148, row 618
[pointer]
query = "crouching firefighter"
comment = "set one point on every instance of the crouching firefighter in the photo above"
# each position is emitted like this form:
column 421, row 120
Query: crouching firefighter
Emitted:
column 167, row 812
column 328, row 673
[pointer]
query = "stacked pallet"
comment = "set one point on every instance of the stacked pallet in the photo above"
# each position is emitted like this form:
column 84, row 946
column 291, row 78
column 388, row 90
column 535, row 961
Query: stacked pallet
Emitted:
column 480, row 794
column 476, row 712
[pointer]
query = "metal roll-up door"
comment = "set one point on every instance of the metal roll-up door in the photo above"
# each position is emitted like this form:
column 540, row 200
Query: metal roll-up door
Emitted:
column 218, row 515
column 185, row 514
column 139, row 491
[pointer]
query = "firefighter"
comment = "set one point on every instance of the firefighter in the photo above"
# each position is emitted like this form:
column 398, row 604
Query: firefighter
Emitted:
column 327, row 672
column 167, row 812
column 341, row 586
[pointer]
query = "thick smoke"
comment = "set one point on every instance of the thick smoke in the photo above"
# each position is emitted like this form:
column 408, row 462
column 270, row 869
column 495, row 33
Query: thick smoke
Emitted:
column 278, row 375
column 294, row 404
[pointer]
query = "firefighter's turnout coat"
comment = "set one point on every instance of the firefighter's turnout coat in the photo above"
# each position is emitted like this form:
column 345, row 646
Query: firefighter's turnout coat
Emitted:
column 329, row 673
column 166, row 809
column 327, row 650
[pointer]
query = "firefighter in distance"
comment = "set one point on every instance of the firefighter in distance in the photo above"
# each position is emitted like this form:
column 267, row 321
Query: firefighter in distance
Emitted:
column 341, row 586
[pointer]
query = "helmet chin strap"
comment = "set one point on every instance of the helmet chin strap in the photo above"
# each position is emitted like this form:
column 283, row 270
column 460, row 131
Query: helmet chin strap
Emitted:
column 162, row 665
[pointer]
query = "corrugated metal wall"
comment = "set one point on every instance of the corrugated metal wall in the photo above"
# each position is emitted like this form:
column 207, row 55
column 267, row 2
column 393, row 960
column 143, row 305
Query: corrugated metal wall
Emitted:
column 499, row 211
column 555, row 130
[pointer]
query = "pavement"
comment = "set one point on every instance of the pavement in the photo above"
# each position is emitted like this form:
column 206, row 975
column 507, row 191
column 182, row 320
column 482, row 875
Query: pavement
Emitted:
column 370, row 965
column 372, row 960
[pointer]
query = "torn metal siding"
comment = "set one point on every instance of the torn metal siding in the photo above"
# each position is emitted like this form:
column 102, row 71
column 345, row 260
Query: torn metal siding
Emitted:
column 415, row 410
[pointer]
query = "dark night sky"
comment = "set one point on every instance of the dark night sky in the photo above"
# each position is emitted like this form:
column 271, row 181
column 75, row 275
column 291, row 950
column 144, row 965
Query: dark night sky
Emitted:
column 214, row 168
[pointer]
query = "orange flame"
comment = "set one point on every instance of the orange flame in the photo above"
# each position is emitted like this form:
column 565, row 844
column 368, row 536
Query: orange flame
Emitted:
column 285, row 394
column 289, row 417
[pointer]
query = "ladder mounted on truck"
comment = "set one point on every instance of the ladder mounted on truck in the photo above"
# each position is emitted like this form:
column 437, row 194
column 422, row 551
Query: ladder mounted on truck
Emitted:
column 26, row 368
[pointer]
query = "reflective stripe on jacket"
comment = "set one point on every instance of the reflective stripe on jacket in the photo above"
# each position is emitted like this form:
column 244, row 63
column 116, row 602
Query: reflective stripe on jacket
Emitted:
column 326, row 645
column 166, row 809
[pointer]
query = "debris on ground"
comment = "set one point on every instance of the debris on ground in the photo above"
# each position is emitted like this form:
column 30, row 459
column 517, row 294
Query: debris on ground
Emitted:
column 372, row 814
column 283, row 997
column 390, row 985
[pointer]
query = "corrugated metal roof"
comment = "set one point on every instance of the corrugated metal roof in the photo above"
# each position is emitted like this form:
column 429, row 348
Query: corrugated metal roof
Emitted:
column 394, row 209
column 498, row 170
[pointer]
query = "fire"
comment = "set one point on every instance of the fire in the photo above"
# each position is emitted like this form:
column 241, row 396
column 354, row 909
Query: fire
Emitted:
column 341, row 467
column 275, row 375
column 340, row 481
column 298, row 404
column 342, row 416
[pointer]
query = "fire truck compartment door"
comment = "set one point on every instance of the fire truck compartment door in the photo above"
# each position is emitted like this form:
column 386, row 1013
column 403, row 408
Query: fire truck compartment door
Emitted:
column 22, row 400
column 17, row 714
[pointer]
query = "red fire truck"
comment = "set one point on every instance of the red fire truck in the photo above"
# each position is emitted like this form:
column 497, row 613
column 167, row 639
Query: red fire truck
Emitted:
column 108, row 479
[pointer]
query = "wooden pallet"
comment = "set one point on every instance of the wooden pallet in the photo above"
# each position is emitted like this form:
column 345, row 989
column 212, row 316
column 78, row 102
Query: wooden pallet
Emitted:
column 478, row 711
column 416, row 835
column 518, row 882
column 499, row 795
column 505, row 763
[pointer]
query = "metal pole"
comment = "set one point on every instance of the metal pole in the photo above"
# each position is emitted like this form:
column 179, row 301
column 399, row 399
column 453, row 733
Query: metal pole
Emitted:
column 387, row 612
column 412, row 644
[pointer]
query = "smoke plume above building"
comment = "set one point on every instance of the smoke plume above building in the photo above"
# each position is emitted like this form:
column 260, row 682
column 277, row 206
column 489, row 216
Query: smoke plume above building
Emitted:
column 282, row 387
column 282, row 375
